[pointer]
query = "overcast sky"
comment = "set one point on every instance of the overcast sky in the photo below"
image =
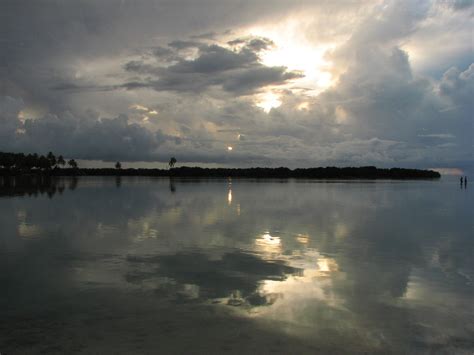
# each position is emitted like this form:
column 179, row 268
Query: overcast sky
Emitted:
column 240, row 82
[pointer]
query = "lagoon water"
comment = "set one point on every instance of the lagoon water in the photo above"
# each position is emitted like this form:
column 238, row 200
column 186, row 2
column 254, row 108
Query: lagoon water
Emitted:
column 148, row 265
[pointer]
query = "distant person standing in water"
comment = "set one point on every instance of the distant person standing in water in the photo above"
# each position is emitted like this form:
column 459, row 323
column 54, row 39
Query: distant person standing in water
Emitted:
column 461, row 181
column 465, row 181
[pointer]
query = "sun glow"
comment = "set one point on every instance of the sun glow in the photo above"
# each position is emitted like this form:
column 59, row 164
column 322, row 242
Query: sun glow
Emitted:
column 268, row 100
column 299, row 57
column 303, row 106
column 293, row 50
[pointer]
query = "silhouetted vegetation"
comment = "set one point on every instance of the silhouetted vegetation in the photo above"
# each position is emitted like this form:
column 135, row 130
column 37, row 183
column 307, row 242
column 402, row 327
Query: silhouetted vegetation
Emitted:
column 61, row 161
column 24, row 163
column 21, row 164
column 369, row 172
column 172, row 162
column 72, row 163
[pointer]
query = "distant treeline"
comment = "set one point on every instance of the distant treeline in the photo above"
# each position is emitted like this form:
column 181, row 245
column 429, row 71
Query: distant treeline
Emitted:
column 12, row 164
column 20, row 162
column 367, row 172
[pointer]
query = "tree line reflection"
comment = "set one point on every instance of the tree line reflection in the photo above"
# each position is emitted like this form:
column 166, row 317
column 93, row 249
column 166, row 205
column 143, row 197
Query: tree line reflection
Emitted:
column 35, row 185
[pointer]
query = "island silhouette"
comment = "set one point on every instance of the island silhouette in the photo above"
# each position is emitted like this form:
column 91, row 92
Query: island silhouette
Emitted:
column 15, row 164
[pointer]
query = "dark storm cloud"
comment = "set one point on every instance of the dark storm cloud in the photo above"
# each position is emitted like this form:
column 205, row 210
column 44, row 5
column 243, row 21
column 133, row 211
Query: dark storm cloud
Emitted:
column 180, row 44
column 236, row 71
column 256, row 44
column 250, row 80
column 214, row 58
column 165, row 53
column 207, row 35
column 239, row 72
column 84, row 137
column 259, row 44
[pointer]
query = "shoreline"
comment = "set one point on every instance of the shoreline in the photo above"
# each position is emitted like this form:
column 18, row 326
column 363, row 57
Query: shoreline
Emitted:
column 346, row 173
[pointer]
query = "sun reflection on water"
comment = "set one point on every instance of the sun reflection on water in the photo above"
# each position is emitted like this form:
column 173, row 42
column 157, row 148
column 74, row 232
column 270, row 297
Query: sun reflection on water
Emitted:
column 267, row 243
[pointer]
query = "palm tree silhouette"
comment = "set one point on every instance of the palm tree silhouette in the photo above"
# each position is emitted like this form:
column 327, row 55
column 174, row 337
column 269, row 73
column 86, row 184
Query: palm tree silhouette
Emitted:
column 172, row 162
column 72, row 163
column 51, row 158
column 61, row 161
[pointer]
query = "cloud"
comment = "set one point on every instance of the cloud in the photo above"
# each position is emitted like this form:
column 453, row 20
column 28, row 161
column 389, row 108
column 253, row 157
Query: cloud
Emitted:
column 85, row 137
column 9, row 123
column 458, row 4
column 235, row 71
column 214, row 59
column 180, row 44
column 438, row 135
column 458, row 86
column 400, row 88
column 254, row 43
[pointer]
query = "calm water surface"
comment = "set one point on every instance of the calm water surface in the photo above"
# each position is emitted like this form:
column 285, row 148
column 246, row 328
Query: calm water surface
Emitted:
column 142, row 266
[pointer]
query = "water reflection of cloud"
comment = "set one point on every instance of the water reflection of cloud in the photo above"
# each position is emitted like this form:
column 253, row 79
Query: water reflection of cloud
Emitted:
column 303, row 238
column 26, row 229
column 307, row 299
column 341, row 230
column 327, row 265
column 143, row 229
column 311, row 290
column 233, row 274
column 275, row 262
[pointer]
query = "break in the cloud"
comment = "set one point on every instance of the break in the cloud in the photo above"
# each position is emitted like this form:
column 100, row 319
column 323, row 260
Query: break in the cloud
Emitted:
column 283, row 83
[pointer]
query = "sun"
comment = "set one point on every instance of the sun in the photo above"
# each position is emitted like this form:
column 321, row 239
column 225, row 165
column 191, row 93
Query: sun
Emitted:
column 294, row 51
column 268, row 100
column 300, row 57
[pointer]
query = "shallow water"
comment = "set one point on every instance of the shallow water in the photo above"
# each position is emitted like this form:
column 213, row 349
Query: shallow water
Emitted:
column 143, row 265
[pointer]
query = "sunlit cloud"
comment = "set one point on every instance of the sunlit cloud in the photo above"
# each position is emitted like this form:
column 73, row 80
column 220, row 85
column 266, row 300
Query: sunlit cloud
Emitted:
column 303, row 106
column 268, row 100
column 294, row 51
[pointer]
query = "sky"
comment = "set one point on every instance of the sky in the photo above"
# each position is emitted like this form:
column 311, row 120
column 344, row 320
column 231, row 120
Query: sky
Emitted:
column 240, row 83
